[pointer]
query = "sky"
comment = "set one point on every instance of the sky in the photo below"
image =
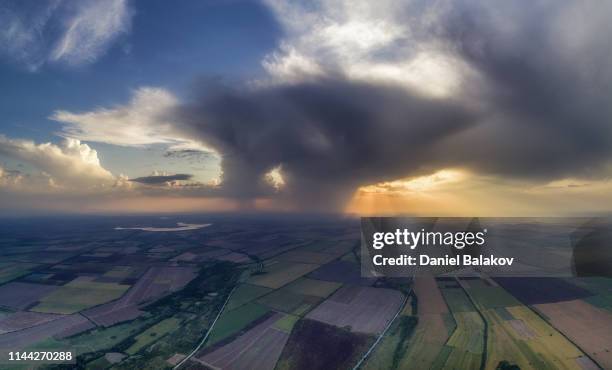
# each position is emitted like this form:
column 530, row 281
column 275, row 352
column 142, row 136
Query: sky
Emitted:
column 420, row 107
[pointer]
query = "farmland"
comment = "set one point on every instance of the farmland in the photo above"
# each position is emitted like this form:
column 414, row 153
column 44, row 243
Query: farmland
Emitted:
column 586, row 325
column 516, row 334
column 232, row 322
column 278, row 273
column 258, row 348
column 153, row 333
column 134, row 299
column 466, row 343
column 316, row 345
column 78, row 295
column 426, row 344
column 359, row 309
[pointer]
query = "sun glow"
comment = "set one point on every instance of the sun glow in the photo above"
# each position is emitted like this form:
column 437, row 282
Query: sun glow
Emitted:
column 416, row 184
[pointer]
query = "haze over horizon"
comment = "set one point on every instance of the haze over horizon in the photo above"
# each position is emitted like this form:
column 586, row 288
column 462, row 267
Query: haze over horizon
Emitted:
column 429, row 108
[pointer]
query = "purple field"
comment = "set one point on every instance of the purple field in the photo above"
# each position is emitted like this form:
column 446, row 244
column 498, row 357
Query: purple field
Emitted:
column 22, row 320
column 341, row 271
column 259, row 348
column 363, row 309
column 66, row 325
column 541, row 290
column 19, row 296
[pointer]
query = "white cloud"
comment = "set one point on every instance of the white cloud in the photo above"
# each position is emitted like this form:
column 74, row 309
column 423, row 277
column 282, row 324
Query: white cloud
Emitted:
column 143, row 121
column 64, row 31
column 362, row 40
column 71, row 164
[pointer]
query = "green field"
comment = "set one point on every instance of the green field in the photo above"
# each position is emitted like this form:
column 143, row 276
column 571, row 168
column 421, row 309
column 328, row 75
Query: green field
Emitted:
column 12, row 270
column 279, row 273
column 286, row 323
column 97, row 339
column 456, row 300
column 442, row 358
column 466, row 342
column 285, row 301
column 517, row 335
column 246, row 293
column 317, row 288
column 119, row 272
column 490, row 296
column 601, row 300
column 152, row 334
column 78, row 295
column 463, row 350
column 232, row 322
column 392, row 348
column 305, row 256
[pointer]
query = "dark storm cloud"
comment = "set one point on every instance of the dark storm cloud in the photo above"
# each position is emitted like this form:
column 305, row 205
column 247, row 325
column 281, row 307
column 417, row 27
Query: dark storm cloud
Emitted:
column 329, row 135
column 548, row 68
column 161, row 179
column 538, row 109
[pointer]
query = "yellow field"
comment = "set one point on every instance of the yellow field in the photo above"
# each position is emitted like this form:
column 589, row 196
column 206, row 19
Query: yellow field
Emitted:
column 527, row 341
column 78, row 295
column 467, row 342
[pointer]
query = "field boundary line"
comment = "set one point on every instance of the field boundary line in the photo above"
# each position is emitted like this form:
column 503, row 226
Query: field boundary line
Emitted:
column 483, row 363
column 208, row 332
column 380, row 336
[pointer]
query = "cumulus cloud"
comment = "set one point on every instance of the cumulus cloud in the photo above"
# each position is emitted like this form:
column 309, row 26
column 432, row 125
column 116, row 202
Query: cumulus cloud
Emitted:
column 143, row 121
column 365, row 92
column 384, row 41
column 71, row 164
column 64, row 31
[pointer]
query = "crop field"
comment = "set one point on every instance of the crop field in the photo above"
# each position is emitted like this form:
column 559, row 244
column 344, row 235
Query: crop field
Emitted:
column 246, row 293
column 105, row 338
column 603, row 301
column 277, row 274
column 24, row 338
column 305, row 256
column 24, row 319
column 316, row 345
column 426, row 343
column 317, row 288
column 155, row 283
column 12, row 270
column 361, row 309
column 586, row 325
column 78, row 295
column 284, row 300
column 489, row 296
column 341, row 271
column 596, row 285
column 518, row 335
column 18, row 296
column 120, row 272
column 287, row 323
column 528, row 341
column 336, row 248
column 541, row 290
column 466, row 342
column 464, row 348
column 234, row 321
column 457, row 300
column 258, row 348
column 393, row 346
column 152, row 334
